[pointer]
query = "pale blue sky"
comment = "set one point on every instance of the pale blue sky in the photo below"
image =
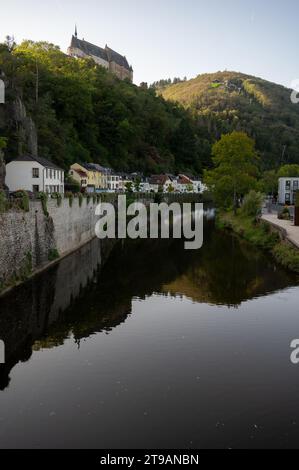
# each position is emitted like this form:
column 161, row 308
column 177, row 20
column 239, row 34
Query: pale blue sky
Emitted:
column 167, row 38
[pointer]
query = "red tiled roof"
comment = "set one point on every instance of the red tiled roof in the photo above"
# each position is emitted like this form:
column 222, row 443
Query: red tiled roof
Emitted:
column 81, row 173
column 184, row 180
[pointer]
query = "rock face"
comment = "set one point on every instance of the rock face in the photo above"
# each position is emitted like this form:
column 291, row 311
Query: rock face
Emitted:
column 25, row 128
column 19, row 128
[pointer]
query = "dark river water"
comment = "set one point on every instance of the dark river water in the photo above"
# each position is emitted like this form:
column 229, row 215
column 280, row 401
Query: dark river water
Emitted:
column 146, row 345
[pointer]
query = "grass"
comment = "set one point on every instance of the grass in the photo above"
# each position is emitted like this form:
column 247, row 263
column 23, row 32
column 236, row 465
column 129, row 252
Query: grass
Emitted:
column 262, row 235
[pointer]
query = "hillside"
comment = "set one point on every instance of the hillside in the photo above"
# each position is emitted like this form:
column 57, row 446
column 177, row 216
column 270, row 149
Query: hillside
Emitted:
column 80, row 112
column 227, row 101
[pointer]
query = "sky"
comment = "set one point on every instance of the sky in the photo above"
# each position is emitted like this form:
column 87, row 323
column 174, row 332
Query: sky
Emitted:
column 170, row 38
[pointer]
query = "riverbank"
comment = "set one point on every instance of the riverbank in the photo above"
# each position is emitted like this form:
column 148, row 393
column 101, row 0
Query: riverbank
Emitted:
column 264, row 235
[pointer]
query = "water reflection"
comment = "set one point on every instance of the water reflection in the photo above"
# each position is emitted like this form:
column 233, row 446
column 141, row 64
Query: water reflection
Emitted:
column 92, row 291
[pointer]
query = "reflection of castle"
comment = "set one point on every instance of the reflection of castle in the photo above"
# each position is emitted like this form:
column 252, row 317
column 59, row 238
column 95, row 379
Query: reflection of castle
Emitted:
column 111, row 60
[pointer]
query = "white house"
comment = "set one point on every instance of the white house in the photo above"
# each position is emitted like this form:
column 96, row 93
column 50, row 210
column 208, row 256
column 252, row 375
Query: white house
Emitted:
column 198, row 186
column 114, row 182
column 287, row 190
column 184, row 184
column 34, row 174
column 164, row 183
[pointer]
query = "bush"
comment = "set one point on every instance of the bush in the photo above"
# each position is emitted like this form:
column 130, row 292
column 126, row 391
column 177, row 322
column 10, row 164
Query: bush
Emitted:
column 287, row 256
column 44, row 200
column 252, row 204
column 22, row 200
column 58, row 197
column 285, row 214
column 70, row 197
column 53, row 254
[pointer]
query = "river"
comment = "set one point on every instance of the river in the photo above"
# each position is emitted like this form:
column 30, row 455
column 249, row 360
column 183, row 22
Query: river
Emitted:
column 143, row 344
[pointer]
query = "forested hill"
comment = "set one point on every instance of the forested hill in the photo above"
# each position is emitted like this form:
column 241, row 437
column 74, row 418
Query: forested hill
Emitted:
column 83, row 113
column 227, row 101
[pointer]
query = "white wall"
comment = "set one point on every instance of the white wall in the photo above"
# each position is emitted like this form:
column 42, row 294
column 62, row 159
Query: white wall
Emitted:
column 56, row 180
column 283, row 191
column 19, row 176
column 78, row 53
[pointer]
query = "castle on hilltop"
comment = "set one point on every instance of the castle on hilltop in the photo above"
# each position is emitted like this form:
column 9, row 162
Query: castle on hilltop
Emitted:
column 111, row 60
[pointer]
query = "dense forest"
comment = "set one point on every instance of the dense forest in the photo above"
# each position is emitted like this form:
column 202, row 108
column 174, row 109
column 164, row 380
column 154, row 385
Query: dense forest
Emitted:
column 83, row 113
column 227, row 101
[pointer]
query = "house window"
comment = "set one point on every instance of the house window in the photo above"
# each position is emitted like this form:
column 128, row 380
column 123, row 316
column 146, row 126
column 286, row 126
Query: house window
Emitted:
column 35, row 172
column 296, row 185
column 288, row 198
column 35, row 188
column 288, row 185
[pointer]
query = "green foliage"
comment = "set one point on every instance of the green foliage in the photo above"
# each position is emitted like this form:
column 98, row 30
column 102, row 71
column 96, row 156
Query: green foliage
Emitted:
column 252, row 204
column 256, row 233
column 137, row 185
column 289, row 171
column 228, row 101
column 22, row 200
column 287, row 256
column 285, row 214
column 80, row 197
column 84, row 113
column 70, row 196
column 53, row 254
column 44, row 200
column 235, row 172
column 3, row 143
column 94, row 198
column 268, row 184
column 261, row 235
column 58, row 198
column 129, row 187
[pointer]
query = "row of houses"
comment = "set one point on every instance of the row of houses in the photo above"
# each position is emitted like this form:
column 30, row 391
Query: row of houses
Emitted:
column 35, row 174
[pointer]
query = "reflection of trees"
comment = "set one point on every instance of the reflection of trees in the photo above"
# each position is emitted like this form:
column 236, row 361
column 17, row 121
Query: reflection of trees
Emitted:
column 81, row 298
column 229, row 271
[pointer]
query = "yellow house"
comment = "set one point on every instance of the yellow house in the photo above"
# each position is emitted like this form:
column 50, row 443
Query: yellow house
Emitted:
column 80, row 177
column 94, row 176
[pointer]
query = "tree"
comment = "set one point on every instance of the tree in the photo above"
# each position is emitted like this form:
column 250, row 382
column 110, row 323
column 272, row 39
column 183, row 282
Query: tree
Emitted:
column 269, row 182
column 235, row 172
column 137, row 185
column 252, row 204
column 289, row 171
column 129, row 187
